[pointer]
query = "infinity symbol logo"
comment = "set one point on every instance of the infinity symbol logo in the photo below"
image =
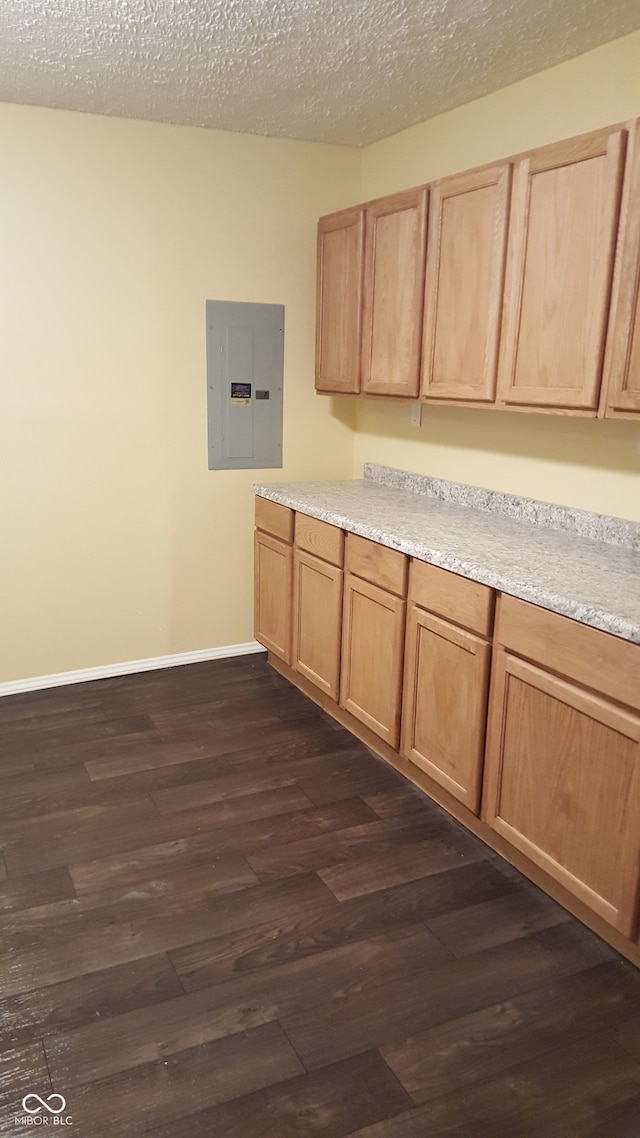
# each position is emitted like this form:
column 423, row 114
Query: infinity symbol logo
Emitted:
column 44, row 1103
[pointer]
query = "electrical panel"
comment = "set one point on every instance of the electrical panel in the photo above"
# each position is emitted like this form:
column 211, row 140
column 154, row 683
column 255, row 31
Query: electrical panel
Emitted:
column 245, row 364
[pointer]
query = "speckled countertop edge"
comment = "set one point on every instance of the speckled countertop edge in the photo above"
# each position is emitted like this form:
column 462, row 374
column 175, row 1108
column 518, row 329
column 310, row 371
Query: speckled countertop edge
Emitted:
column 593, row 581
column 596, row 527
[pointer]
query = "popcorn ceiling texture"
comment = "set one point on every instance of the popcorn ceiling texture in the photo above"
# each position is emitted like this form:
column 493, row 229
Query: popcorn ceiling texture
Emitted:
column 335, row 71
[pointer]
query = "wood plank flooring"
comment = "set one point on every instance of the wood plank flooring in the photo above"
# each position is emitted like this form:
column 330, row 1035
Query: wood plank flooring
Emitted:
column 221, row 915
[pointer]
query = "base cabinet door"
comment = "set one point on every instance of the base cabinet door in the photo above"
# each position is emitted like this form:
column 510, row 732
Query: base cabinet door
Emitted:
column 563, row 784
column 372, row 656
column 446, row 677
column 272, row 597
column 317, row 621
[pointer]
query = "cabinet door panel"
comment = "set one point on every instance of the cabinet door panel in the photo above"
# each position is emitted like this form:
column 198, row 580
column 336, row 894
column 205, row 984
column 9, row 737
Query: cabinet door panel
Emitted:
column 468, row 218
column 564, row 216
column 339, row 302
column 317, row 621
column 272, row 596
column 395, row 246
column 372, row 654
column 444, row 705
column 563, row 785
column 622, row 364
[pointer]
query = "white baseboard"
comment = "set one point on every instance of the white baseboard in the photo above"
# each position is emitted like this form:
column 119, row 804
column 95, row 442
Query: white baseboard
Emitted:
column 83, row 675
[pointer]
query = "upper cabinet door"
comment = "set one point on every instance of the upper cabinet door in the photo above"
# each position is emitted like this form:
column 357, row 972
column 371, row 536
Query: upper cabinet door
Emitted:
column 622, row 363
column 339, row 301
column 564, row 217
column 395, row 247
column 468, row 219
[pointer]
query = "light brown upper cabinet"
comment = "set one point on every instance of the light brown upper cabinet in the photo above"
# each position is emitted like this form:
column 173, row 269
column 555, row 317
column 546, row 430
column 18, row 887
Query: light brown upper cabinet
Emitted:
column 622, row 363
column 562, row 234
column 466, row 249
column 394, row 263
column 339, row 302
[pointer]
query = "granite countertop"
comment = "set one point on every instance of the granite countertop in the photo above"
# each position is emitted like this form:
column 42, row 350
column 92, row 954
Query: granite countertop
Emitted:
column 582, row 565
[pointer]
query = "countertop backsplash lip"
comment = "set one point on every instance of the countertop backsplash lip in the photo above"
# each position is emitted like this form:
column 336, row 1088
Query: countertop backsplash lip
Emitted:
column 568, row 519
column 589, row 580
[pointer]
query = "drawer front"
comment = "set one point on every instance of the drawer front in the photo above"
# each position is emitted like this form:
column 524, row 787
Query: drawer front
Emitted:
column 456, row 598
column 320, row 538
column 376, row 563
column 274, row 519
column 599, row 660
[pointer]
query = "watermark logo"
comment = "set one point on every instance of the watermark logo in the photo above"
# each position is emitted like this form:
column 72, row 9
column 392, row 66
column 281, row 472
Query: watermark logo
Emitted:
column 46, row 1103
column 44, row 1111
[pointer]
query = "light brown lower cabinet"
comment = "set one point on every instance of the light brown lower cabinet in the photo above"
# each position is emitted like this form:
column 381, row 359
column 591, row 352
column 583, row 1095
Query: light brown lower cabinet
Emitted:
column 559, row 770
column 317, row 621
column 446, row 676
column 372, row 655
column 273, row 561
column 562, row 766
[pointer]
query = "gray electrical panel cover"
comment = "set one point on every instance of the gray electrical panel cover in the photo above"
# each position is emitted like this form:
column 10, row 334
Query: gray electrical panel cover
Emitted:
column 245, row 358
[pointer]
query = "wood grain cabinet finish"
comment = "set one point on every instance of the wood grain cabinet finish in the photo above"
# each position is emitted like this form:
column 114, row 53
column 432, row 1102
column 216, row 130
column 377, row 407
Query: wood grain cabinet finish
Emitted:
column 375, row 587
column 317, row 602
column 339, row 302
column 562, row 767
column 562, row 233
column 274, row 519
column 446, row 678
column 320, row 538
column 558, row 774
column 466, row 249
column 372, row 656
column 273, row 567
column 376, row 563
column 317, row 620
column 394, row 263
column 455, row 598
column 621, row 389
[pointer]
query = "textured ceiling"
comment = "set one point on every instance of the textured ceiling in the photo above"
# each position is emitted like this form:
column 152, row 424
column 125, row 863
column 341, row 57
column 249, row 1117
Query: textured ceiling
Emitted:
column 341, row 71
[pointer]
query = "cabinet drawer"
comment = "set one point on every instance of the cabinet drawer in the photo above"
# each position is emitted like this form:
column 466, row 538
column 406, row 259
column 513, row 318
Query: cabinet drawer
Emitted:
column 598, row 660
column 455, row 598
column 320, row 538
column 274, row 519
column 377, row 564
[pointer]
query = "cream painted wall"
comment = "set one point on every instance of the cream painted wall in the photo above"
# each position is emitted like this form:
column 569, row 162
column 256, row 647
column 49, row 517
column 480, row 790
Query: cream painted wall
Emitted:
column 572, row 461
column 117, row 543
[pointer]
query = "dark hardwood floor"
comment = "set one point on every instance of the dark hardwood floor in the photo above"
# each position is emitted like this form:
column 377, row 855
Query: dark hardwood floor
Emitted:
column 222, row 916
